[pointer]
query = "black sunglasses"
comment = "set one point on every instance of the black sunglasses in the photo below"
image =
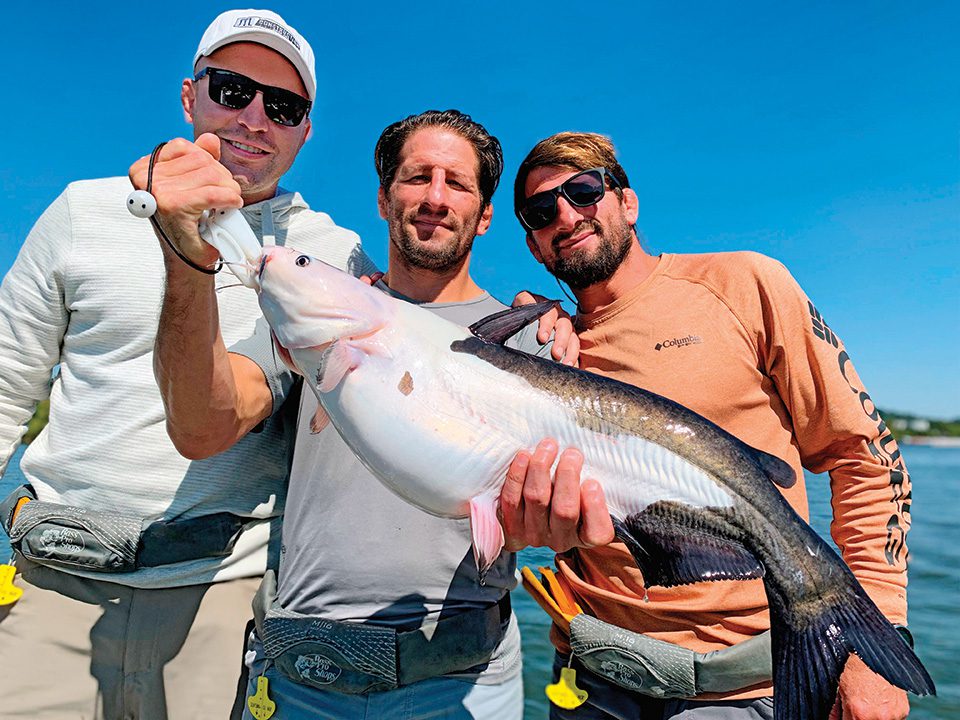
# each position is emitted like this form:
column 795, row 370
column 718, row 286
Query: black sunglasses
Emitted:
column 236, row 91
column 582, row 190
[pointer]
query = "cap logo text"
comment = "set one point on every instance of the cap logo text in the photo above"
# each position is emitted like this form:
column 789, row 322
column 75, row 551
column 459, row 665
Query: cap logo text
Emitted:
column 252, row 21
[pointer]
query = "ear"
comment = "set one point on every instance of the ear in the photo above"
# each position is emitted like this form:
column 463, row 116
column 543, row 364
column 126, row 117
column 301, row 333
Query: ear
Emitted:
column 382, row 202
column 309, row 134
column 631, row 206
column 534, row 250
column 485, row 217
column 188, row 99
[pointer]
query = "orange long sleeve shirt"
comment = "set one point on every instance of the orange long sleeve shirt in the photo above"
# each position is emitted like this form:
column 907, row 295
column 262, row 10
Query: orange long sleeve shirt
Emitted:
column 733, row 337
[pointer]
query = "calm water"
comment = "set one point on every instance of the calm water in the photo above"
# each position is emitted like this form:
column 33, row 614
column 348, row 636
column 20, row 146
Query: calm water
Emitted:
column 934, row 590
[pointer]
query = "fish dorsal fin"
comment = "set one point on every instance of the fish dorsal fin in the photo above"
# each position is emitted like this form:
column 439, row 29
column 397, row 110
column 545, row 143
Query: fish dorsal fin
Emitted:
column 672, row 548
column 779, row 471
column 498, row 327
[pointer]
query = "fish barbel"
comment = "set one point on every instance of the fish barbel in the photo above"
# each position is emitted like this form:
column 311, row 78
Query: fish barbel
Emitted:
column 438, row 414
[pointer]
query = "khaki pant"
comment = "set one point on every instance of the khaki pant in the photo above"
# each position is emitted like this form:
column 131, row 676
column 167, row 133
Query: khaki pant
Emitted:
column 88, row 649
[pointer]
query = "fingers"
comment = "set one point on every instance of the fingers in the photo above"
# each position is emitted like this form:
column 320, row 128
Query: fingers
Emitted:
column 546, row 326
column 511, row 503
column 371, row 279
column 564, row 516
column 537, row 491
column 596, row 526
column 566, row 343
column 543, row 507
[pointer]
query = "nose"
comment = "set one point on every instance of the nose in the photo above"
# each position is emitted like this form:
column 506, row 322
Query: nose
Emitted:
column 253, row 117
column 437, row 190
column 567, row 215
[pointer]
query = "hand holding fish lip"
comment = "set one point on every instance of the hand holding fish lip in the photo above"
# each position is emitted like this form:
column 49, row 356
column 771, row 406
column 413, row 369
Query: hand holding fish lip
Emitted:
column 556, row 322
column 559, row 512
column 188, row 179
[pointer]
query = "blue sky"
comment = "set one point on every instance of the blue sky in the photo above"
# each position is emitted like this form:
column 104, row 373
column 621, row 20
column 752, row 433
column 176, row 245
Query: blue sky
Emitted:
column 822, row 134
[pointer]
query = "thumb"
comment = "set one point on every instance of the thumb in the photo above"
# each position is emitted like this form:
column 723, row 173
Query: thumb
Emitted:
column 210, row 143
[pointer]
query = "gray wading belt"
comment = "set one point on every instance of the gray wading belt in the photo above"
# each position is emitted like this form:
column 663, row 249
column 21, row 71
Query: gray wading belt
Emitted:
column 357, row 658
column 664, row 670
column 102, row 541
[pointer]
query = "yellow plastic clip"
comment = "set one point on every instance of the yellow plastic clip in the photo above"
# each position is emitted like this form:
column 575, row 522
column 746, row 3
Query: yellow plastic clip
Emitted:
column 564, row 693
column 260, row 704
column 551, row 597
column 9, row 593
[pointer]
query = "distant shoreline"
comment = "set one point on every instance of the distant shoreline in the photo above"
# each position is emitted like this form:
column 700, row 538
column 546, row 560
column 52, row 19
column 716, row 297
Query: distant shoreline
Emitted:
column 931, row 440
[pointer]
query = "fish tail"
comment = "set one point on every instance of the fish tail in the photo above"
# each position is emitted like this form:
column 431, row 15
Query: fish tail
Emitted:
column 809, row 655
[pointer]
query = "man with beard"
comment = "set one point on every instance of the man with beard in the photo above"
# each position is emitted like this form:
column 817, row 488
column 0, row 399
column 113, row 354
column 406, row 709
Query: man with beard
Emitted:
column 733, row 337
column 377, row 609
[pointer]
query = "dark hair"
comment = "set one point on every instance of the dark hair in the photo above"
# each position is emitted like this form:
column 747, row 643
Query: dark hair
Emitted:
column 575, row 150
column 386, row 156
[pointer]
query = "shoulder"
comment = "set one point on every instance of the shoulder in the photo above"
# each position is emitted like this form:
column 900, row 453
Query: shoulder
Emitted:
column 111, row 187
column 729, row 275
column 719, row 266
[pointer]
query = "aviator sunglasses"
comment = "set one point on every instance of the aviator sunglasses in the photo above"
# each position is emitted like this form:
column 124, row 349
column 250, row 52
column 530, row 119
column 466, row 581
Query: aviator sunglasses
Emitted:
column 582, row 190
column 236, row 91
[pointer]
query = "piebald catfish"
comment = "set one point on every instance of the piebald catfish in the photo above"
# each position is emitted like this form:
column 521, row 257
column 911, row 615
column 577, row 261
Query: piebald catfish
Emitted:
column 438, row 413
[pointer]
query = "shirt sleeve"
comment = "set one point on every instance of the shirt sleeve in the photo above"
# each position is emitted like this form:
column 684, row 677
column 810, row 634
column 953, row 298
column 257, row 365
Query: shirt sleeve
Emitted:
column 33, row 321
column 259, row 348
column 839, row 430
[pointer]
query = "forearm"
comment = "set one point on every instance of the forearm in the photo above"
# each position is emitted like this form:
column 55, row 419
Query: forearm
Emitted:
column 208, row 408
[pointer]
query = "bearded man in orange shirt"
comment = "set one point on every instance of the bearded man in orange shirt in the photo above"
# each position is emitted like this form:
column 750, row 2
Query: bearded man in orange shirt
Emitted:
column 733, row 337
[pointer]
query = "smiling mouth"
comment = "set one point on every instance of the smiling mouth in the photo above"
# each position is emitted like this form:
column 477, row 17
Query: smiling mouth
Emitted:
column 245, row 148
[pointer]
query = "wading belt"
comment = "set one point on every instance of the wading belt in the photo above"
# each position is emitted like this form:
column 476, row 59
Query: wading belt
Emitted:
column 643, row 664
column 101, row 541
column 359, row 658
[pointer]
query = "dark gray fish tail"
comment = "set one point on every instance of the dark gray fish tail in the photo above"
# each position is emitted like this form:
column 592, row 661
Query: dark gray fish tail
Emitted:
column 809, row 653
column 812, row 636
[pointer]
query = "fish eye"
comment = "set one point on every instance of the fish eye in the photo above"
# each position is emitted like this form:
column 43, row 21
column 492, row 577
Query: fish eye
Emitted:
column 302, row 260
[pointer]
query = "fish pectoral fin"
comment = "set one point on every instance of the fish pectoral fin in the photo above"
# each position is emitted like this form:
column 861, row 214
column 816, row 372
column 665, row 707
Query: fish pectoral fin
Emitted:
column 498, row 327
column 338, row 359
column 671, row 552
column 319, row 421
column 486, row 530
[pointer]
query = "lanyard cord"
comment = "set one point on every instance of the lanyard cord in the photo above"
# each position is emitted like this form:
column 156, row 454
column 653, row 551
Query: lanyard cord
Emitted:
column 162, row 234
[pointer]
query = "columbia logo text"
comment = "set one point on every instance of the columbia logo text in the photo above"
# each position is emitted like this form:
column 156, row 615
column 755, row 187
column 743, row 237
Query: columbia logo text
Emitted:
column 820, row 327
column 678, row 342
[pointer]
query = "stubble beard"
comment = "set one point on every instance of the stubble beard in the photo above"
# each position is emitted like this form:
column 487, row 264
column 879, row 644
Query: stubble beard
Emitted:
column 581, row 270
column 415, row 253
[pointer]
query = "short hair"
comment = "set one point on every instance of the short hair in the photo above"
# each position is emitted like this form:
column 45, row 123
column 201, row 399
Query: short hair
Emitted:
column 386, row 156
column 575, row 150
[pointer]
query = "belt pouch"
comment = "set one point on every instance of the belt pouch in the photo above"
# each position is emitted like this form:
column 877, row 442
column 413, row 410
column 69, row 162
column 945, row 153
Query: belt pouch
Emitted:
column 632, row 660
column 351, row 658
column 72, row 537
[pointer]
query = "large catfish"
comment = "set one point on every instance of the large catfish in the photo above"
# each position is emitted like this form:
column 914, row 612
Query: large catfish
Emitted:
column 438, row 414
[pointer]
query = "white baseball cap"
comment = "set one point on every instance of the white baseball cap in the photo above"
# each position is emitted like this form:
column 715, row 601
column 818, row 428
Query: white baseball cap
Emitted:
column 266, row 28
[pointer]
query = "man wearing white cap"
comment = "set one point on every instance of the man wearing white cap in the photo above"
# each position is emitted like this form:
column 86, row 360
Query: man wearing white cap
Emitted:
column 138, row 565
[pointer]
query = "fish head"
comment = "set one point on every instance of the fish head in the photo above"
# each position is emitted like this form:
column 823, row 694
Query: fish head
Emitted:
column 309, row 303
